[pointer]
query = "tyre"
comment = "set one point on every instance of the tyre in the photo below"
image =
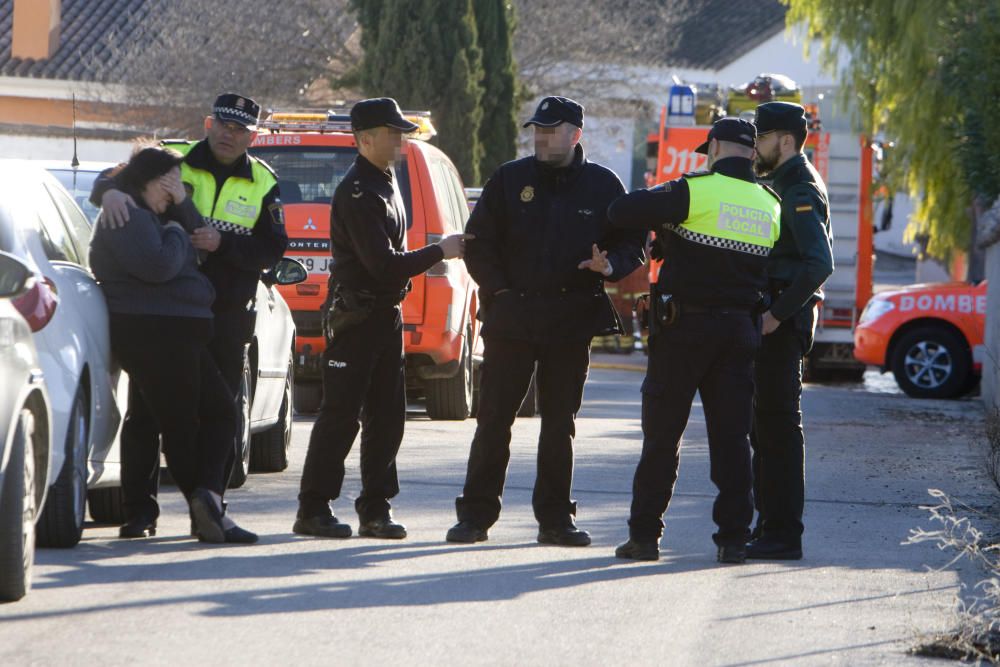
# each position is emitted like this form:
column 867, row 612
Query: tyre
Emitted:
column 932, row 362
column 241, row 466
column 269, row 450
column 529, row 406
column 61, row 523
column 107, row 505
column 18, row 513
column 308, row 396
column 451, row 398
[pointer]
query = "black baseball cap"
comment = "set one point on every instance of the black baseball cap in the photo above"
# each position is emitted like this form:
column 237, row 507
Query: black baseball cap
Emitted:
column 232, row 107
column 773, row 116
column 554, row 110
column 732, row 129
column 379, row 112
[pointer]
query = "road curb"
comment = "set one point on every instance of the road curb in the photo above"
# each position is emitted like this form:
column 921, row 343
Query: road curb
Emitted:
column 617, row 367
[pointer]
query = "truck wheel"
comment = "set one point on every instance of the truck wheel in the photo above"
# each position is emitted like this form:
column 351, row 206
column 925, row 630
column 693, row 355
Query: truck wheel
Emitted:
column 241, row 467
column 529, row 406
column 451, row 398
column 269, row 450
column 931, row 362
column 308, row 396
column 107, row 505
column 18, row 512
column 61, row 523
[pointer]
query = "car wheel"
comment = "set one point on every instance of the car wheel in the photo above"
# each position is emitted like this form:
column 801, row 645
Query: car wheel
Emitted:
column 107, row 505
column 241, row 467
column 932, row 362
column 61, row 523
column 451, row 398
column 18, row 513
column 308, row 396
column 269, row 450
column 529, row 406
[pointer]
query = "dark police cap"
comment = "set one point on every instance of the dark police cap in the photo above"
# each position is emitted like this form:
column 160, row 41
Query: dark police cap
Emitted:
column 554, row 110
column 379, row 112
column 773, row 116
column 235, row 108
column 736, row 130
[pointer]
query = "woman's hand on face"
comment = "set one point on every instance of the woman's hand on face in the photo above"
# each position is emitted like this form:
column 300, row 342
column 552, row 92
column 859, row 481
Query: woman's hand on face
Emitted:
column 172, row 183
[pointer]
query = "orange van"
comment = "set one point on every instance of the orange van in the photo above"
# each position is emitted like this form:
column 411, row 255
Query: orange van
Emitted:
column 929, row 335
column 311, row 152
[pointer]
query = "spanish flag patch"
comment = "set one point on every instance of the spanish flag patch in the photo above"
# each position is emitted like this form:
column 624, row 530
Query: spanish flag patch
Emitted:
column 803, row 209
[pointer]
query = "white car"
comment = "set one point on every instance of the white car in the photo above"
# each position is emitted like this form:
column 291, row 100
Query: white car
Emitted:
column 266, row 394
column 25, row 445
column 42, row 225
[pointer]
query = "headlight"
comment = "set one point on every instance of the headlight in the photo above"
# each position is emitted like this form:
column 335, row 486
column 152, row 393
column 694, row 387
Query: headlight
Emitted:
column 875, row 309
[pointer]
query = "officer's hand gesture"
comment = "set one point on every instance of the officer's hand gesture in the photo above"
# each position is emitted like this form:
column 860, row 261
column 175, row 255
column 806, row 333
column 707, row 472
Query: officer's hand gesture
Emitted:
column 206, row 238
column 769, row 323
column 453, row 245
column 114, row 205
column 598, row 262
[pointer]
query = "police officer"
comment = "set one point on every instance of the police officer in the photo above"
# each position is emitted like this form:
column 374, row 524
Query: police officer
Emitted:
column 363, row 361
column 716, row 229
column 238, row 196
column 542, row 252
column 799, row 264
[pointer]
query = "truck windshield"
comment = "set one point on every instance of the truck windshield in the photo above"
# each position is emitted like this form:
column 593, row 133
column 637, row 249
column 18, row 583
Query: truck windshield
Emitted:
column 310, row 174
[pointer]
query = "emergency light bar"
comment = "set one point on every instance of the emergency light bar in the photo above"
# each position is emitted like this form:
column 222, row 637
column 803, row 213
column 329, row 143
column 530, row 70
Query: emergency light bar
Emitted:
column 337, row 120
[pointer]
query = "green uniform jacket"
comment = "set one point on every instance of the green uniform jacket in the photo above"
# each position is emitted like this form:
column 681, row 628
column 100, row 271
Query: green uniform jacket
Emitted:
column 802, row 259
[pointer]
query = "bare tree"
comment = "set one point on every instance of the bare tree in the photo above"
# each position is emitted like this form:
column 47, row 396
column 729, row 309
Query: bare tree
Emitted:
column 181, row 53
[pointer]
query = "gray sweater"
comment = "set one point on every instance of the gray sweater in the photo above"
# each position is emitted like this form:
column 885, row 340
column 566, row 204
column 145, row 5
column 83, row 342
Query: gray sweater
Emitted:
column 147, row 268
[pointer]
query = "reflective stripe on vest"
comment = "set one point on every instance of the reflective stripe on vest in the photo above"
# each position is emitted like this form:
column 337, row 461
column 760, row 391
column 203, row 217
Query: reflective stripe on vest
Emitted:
column 732, row 214
column 238, row 205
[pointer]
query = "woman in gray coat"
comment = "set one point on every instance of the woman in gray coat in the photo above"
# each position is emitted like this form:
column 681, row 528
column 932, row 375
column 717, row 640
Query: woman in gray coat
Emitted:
column 160, row 307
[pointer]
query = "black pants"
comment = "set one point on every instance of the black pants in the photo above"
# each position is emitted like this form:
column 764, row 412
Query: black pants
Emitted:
column 231, row 333
column 713, row 355
column 172, row 373
column 777, row 438
column 506, row 375
column 363, row 388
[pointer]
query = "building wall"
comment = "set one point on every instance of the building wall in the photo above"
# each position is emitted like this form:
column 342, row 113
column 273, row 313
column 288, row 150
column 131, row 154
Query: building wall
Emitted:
column 61, row 148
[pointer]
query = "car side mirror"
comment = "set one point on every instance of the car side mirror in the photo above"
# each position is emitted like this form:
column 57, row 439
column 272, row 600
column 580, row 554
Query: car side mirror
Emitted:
column 287, row 271
column 15, row 276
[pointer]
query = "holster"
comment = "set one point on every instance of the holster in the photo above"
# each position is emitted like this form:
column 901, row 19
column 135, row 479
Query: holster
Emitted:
column 344, row 310
column 663, row 310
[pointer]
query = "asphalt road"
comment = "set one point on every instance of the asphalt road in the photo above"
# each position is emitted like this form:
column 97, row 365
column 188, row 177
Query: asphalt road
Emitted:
column 859, row 597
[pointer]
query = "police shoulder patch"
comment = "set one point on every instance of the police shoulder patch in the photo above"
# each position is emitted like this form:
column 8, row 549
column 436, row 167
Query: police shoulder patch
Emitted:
column 277, row 213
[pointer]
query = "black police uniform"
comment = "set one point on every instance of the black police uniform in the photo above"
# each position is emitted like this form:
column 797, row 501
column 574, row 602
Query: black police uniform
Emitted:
column 363, row 365
column 234, row 269
column 800, row 262
column 533, row 225
column 709, row 349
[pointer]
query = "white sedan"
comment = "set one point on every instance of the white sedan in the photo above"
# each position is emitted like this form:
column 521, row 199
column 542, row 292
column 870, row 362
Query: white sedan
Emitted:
column 41, row 225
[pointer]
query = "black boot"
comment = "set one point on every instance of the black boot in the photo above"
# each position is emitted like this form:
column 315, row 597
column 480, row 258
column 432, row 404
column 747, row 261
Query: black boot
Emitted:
column 140, row 526
column 638, row 550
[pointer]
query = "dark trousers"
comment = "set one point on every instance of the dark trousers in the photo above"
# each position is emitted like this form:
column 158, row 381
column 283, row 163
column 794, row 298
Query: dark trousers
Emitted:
column 140, row 440
column 713, row 355
column 777, row 438
column 173, row 375
column 506, row 375
column 363, row 388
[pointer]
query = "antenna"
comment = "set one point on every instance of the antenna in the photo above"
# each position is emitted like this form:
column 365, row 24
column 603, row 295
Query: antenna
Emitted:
column 75, row 162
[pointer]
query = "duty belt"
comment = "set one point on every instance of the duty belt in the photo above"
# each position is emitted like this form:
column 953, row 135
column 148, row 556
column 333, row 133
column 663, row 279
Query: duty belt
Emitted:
column 557, row 291
column 696, row 309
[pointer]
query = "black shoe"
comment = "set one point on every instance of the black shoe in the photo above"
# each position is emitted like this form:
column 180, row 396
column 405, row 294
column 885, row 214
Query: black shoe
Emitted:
column 564, row 536
column 138, row 527
column 321, row 526
column 237, row 535
column 732, row 553
column 386, row 529
column 206, row 516
column 769, row 548
column 466, row 532
column 636, row 550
